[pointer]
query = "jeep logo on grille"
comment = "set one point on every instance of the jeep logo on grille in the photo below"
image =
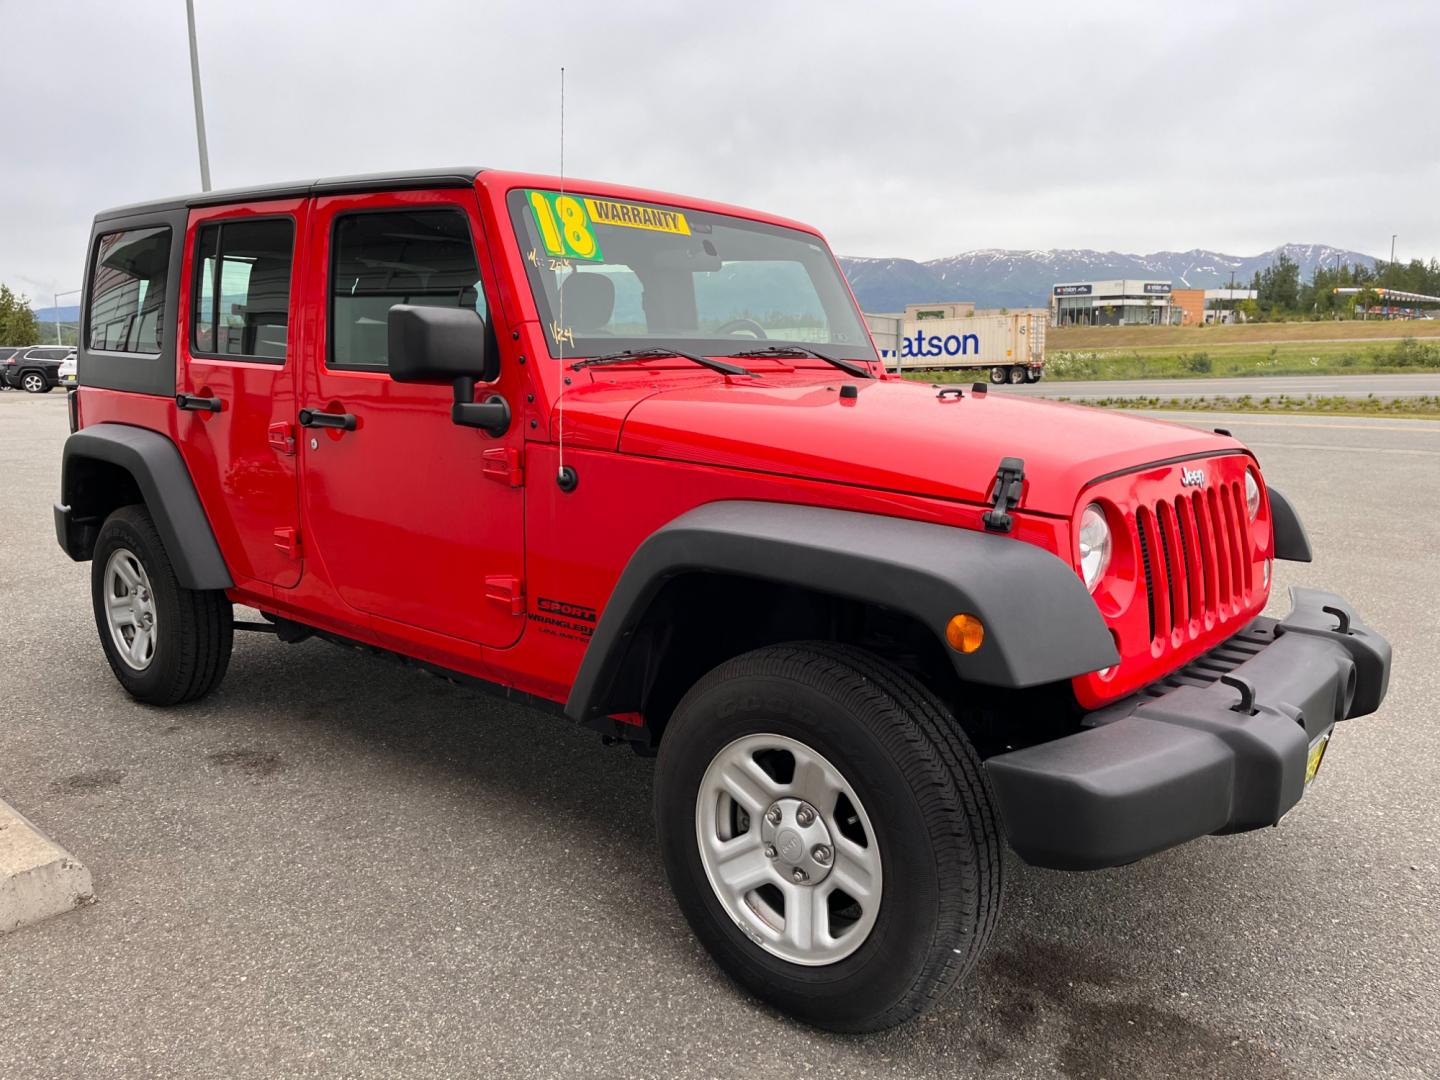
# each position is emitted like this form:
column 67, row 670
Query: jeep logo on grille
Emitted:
column 1192, row 477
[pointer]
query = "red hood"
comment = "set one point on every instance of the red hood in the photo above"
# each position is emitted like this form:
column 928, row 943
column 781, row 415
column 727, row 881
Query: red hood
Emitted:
column 902, row 436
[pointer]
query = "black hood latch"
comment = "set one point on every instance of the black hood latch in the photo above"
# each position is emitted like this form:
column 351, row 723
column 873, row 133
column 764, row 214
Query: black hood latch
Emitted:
column 1005, row 495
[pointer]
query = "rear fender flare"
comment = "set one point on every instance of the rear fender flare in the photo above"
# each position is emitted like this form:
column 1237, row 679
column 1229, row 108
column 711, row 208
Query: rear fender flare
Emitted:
column 1041, row 624
column 159, row 472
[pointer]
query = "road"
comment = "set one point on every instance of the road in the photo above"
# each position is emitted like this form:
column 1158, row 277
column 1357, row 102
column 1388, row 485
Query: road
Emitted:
column 1381, row 386
column 338, row 867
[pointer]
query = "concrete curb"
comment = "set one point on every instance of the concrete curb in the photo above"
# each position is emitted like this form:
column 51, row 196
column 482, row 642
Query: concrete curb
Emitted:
column 38, row 878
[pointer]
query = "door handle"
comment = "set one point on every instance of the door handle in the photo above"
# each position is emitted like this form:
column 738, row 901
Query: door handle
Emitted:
column 196, row 403
column 342, row 421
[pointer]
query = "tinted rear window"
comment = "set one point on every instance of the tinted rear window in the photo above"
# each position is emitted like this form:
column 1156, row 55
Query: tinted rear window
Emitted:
column 127, row 294
column 242, row 289
column 47, row 354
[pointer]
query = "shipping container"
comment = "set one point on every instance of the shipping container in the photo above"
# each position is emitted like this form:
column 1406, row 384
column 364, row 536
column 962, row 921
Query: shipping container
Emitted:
column 1009, row 347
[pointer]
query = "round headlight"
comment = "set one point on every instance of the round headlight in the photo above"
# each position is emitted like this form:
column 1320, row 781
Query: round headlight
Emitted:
column 1252, row 494
column 1094, row 545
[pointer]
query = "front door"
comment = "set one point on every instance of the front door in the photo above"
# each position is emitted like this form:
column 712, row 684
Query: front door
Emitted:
column 236, row 384
column 410, row 517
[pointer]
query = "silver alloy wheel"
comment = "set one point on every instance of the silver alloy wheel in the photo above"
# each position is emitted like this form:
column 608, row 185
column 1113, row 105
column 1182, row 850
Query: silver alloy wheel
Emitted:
column 32, row 382
column 130, row 608
column 789, row 849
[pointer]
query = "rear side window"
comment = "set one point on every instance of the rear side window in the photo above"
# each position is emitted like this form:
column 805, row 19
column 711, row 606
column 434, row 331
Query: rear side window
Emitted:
column 47, row 354
column 127, row 293
column 379, row 259
column 240, row 305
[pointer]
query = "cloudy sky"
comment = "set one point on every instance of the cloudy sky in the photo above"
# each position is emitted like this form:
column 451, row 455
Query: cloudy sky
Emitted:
column 899, row 128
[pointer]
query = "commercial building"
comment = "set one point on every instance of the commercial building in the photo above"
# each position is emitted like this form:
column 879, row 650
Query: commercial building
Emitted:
column 1187, row 307
column 960, row 309
column 1133, row 302
column 1223, row 305
column 1393, row 303
column 1119, row 302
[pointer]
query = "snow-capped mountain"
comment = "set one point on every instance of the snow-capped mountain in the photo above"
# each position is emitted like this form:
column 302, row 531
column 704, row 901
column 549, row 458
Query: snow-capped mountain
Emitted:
column 997, row 277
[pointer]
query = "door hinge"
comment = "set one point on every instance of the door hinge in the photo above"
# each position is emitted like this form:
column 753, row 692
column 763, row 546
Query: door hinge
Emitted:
column 1005, row 495
column 282, row 437
column 504, row 465
column 507, row 591
column 288, row 541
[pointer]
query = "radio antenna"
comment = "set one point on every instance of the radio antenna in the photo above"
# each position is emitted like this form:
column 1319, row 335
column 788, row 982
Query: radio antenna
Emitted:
column 563, row 476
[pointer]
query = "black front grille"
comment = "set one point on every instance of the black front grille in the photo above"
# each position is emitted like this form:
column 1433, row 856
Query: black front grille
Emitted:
column 1142, row 531
column 1195, row 557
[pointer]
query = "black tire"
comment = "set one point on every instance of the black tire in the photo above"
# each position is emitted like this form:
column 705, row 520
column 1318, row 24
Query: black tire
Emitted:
column 929, row 804
column 34, row 382
column 1036, row 374
column 1017, row 375
column 998, row 374
column 194, row 629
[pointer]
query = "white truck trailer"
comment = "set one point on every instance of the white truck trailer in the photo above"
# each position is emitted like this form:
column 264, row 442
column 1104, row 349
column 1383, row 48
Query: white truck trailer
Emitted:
column 1010, row 347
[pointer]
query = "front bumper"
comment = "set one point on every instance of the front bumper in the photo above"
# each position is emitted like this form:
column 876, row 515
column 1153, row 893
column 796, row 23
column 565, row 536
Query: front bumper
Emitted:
column 1185, row 758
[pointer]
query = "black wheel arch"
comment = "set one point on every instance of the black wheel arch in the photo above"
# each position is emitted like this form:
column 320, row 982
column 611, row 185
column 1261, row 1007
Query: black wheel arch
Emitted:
column 109, row 465
column 731, row 576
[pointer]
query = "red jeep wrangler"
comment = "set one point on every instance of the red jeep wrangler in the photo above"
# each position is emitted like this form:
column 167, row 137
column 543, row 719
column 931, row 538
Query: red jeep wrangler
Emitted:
column 633, row 459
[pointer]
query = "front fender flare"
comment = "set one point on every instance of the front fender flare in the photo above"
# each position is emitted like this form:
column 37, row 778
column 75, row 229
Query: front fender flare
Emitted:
column 1041, row 624
column 155, row 464
column 1291, row 540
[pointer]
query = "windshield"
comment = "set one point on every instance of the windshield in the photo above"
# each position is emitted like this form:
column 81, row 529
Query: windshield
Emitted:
column 609, row 275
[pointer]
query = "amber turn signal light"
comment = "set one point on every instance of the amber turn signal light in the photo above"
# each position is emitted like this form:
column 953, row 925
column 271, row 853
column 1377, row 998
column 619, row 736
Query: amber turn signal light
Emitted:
column 965, row 633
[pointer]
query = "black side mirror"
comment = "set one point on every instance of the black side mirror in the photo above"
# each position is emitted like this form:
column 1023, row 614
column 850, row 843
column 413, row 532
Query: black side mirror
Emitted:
column 440, row 345
column 454, row 345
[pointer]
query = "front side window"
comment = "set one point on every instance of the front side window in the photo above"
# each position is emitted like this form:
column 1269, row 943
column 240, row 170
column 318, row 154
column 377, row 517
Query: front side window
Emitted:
column 382, row 258
column 240, row 305
column 609, row 275
column 127, row 291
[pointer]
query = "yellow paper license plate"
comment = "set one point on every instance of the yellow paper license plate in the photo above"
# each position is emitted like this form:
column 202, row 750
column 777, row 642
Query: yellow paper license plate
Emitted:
column 1317, row 755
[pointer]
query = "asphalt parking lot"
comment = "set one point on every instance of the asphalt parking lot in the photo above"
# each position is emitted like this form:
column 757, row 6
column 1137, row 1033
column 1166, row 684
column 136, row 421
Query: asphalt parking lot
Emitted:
column 336, row 867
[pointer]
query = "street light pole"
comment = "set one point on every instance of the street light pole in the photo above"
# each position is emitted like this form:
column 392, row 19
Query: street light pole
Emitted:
column 55, row 310
column 199, row 102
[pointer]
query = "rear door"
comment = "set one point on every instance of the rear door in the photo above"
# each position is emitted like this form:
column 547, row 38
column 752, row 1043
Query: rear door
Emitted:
column 236, row 383
column 415, row 520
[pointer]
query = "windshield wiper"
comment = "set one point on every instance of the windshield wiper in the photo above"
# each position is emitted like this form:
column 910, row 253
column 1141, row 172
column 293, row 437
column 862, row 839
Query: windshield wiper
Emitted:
column 660, row 353
column 847, row 366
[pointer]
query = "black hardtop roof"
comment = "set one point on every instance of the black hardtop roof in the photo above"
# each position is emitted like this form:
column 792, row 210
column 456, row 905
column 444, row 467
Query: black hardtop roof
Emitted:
column 333, row 185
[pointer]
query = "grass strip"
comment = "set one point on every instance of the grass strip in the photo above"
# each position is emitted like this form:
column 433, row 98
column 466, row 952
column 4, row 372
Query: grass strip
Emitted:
column 1290, row 358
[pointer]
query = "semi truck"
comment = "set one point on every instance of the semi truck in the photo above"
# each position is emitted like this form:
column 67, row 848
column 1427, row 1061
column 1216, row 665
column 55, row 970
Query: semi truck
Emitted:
column 1010, row 346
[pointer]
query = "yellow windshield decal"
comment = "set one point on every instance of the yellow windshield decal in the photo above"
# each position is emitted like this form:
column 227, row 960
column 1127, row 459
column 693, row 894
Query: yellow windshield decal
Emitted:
column 564, row 228
column 631, row 216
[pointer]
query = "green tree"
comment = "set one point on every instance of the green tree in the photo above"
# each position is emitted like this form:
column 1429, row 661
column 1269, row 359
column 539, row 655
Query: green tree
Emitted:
column 1279, row 286
column 18, row 325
